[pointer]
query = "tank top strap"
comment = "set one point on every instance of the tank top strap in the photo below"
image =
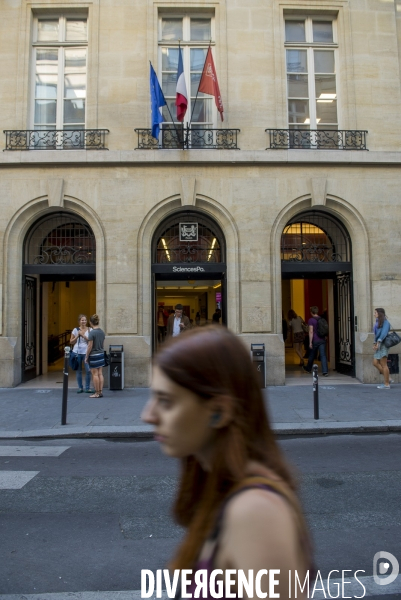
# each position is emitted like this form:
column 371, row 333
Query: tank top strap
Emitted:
column 210, row 548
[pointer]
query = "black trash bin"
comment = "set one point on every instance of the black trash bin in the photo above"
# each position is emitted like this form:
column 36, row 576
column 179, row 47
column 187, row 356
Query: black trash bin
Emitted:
column 116, row 367
column 393, row 364
column 258, row 356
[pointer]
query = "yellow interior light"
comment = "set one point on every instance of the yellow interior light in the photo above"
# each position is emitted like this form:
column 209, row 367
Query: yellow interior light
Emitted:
column 165, row 248
column 211, row 249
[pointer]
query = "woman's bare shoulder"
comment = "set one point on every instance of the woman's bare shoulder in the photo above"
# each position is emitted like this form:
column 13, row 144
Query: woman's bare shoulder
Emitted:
column 257, row 505
column 259, row 529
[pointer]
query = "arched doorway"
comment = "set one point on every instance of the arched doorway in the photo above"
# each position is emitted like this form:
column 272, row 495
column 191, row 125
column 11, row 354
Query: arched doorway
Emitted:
column 188, row 267
column 59, row 272
column 316, row 266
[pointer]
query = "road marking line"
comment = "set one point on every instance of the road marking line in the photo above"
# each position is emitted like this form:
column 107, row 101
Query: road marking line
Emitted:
column 15, row 480
column 32, row 450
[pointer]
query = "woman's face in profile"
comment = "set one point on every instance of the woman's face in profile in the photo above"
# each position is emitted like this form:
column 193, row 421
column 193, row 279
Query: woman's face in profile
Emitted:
column 180, row 418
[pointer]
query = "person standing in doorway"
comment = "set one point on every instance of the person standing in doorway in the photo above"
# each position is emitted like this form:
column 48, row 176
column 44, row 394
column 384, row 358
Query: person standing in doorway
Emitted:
column 284, row 326
column 316, row 343
column 296, row 323
column 161, row 323
column 216, row 316
column 381, row 329
column 79, row 340
column 95, row 355
column 177, row 322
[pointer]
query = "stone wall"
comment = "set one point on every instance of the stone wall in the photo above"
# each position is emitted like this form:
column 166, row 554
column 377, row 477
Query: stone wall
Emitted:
column 124, row 193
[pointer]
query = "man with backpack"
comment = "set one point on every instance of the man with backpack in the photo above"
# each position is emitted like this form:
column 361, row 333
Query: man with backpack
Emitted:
column 318, row 331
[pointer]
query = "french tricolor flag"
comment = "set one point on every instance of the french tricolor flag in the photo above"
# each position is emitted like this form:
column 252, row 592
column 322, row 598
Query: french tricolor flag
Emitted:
column 181, row 99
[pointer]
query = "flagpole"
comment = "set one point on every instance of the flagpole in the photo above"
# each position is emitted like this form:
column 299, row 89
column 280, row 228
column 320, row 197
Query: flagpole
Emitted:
column 184, row 141
column 171, row 116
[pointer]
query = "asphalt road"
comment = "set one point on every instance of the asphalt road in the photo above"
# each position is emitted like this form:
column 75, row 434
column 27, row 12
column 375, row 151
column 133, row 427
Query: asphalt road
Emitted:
column 94, row 514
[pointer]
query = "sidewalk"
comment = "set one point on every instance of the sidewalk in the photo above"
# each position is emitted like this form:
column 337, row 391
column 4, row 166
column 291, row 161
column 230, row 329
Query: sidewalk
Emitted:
column 31, row 412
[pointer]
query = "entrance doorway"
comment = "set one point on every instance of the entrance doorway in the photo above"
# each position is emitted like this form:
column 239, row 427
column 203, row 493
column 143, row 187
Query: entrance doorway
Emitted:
column 200, row 299
column 62, row 301
column 317, row 271
column 59, row 283
column 188, row 268
column 299, row 295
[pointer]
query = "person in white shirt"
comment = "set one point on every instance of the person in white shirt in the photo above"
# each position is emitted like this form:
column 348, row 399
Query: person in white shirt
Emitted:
column 298, row 327
column 79, row 342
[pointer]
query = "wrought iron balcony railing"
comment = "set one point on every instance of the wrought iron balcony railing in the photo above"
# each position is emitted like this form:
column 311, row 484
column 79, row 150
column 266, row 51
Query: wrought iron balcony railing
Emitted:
column 317, row 139
column 185, row 138
column 56, row 139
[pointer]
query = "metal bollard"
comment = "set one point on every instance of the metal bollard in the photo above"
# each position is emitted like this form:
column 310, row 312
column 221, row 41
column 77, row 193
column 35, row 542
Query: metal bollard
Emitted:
column 65, row 385
column 315, row 392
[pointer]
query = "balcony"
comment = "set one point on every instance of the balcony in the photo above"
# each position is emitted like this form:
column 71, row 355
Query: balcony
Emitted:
column 186, row 138
column 56, row 139
column 316, row 139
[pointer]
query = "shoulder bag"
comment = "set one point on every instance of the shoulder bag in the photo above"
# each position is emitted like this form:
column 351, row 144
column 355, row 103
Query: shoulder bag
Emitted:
column 73, row 361
column 391, row 339
column 73, row 358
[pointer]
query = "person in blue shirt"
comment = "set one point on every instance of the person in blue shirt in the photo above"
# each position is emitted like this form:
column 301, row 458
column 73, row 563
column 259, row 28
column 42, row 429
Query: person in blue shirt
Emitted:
column 381, row 329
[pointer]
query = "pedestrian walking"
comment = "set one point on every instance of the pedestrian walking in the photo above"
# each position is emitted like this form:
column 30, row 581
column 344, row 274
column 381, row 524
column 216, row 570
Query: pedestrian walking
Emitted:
column 297, row 325
column 236, row 497
column 317, row 341
column 79, row 342
column 177, row 322
column 381, row 329
column 95, row 355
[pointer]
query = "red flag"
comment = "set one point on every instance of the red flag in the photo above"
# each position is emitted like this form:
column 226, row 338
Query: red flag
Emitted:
column 209, row 84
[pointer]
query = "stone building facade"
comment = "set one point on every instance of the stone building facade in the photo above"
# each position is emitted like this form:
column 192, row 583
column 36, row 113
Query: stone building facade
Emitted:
column 92, row 207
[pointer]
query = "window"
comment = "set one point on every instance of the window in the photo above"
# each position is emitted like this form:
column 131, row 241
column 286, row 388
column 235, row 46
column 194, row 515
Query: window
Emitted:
column 311, row 55
column 59, row 57
column 194, row 34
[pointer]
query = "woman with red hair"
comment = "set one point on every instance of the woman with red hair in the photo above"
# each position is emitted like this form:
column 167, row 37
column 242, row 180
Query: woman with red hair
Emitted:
column 236, row 496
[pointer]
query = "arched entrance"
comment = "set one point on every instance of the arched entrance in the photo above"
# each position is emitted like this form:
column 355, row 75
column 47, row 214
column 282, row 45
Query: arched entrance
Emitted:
column 316, row 266
column 188, row 267
column 59, row 272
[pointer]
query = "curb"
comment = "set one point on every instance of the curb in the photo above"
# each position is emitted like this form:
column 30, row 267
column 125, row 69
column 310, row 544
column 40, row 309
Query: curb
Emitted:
column 146, row 431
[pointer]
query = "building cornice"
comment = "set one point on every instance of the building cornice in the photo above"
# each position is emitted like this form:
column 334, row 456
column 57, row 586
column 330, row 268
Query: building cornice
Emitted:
column 83, row 158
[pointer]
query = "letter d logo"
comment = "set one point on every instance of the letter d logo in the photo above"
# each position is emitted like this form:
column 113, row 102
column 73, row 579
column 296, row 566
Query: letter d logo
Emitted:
column 383, row 568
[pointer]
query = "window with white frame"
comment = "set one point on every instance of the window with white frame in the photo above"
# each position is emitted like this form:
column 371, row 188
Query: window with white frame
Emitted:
column 194, row 34
column 311, row 58
column 59, row 82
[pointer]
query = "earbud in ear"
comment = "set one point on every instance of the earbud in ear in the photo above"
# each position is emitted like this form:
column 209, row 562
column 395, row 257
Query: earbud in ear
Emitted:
column 215, row 418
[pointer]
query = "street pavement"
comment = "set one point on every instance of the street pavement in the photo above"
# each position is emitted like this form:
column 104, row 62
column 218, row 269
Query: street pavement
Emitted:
column 80, row 518
column 343, row 408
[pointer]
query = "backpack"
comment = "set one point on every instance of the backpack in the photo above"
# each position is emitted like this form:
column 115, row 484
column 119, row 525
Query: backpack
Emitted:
column 322, row 327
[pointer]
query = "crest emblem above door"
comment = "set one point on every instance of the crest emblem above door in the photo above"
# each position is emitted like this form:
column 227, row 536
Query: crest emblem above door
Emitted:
column 188, row 232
